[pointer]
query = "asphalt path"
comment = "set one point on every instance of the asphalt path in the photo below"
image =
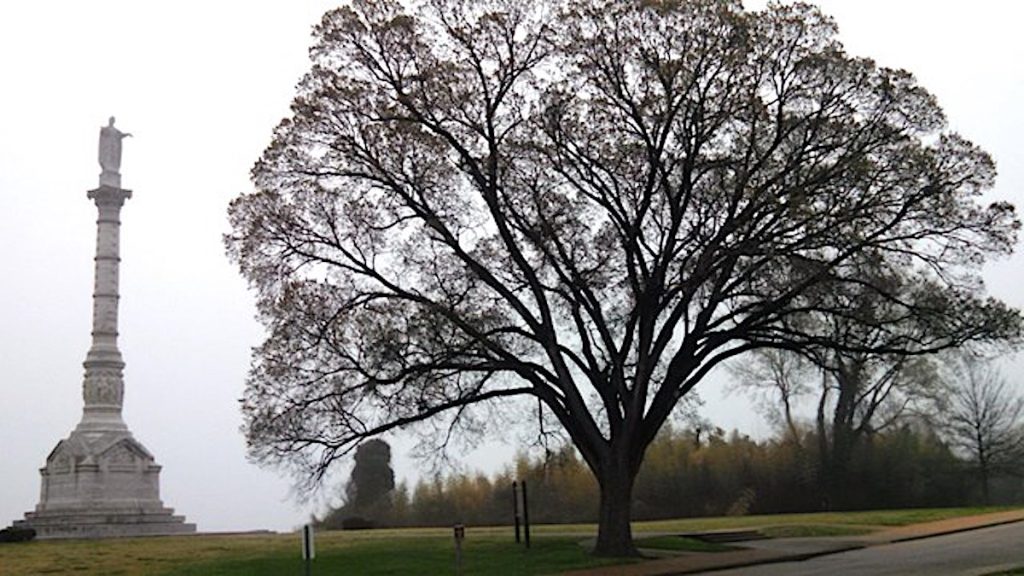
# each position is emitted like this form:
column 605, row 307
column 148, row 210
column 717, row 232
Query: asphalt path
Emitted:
column 975, row 552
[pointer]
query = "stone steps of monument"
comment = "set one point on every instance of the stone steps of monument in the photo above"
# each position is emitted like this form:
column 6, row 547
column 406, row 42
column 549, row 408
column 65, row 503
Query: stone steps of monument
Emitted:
column 59, row 520
column 98, row 525
column 114, row 510
column 89, row 519
column 112, row 530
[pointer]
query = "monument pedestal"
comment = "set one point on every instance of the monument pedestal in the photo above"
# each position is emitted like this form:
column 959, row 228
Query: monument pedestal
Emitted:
column 97, row 485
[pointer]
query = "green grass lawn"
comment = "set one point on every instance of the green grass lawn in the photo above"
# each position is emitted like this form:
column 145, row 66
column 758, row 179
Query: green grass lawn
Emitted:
column 814, row 530
column 869, row 520
column 379, row 552
column 487, row 551
column 418, row 555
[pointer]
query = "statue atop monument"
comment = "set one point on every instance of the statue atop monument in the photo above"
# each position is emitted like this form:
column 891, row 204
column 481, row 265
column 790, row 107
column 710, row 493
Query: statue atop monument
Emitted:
column 110, row 154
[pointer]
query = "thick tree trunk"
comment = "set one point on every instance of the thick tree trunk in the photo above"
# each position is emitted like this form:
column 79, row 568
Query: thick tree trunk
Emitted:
column 824, row 455
column 982, row 465
column 839, row 494
column 985, row 500
column 841, row 438
column 614, row 533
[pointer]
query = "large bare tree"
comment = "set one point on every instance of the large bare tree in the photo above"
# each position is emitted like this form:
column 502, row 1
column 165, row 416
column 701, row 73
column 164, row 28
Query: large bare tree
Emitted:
column 592, row 204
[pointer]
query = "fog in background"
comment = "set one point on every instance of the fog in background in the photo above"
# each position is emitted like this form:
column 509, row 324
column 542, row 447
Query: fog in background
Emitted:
column 201, row 85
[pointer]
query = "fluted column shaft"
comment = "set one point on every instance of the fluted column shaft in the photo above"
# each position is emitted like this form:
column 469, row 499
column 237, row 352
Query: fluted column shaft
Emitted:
column 103, row 388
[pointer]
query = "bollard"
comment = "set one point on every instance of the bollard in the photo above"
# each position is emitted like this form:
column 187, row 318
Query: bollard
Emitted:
column 460, row 535
column 515, row 507
column 526, row 516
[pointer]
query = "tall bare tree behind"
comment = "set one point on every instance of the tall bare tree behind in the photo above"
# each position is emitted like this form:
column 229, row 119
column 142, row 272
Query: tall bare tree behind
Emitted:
column 855, row 395
column 984, row 417
column 859, row 387
column 780, row 379
column 592, row 204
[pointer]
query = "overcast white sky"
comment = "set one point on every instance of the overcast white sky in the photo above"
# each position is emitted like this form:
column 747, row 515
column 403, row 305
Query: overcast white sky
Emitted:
column 201, row 84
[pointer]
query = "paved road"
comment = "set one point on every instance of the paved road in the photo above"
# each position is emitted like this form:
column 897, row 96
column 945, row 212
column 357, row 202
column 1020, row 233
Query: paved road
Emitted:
column 969, row 553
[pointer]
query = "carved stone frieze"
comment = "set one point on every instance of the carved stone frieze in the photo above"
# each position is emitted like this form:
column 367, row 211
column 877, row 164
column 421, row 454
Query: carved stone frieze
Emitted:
column 103, row 386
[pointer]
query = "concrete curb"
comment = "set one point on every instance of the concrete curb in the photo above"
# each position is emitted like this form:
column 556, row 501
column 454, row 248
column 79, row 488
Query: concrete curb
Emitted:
column 954, row 531
column 868, row 544
column 714, row 562
column 776, row 560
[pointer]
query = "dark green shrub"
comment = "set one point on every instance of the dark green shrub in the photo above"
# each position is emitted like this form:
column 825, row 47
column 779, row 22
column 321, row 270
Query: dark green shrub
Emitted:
column 357, row 523
column 14, row 534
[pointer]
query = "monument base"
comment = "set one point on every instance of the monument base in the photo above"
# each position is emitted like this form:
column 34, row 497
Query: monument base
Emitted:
column 105, row 523
column 101, row 484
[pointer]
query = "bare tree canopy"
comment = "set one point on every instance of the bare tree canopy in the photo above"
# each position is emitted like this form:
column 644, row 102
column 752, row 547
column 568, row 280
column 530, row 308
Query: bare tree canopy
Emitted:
column 593, row 204
column 778, row 379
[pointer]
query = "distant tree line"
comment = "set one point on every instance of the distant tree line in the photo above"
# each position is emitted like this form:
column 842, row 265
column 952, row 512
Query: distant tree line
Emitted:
column 940, row 431
column 707, row 473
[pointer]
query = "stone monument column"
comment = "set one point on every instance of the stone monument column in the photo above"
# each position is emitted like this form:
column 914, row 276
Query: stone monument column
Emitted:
column 100, row 481
column 103, row 388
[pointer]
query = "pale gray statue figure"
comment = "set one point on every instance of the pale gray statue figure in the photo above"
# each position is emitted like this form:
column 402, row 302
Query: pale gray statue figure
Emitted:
column 110, row 147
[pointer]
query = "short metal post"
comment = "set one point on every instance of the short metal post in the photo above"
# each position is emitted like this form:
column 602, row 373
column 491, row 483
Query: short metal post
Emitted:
column 308, row 548
column 526, row 516
column 515, row 507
